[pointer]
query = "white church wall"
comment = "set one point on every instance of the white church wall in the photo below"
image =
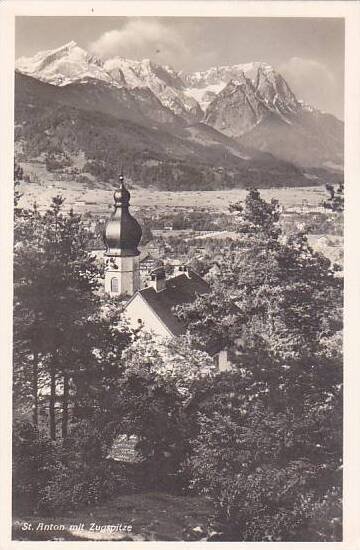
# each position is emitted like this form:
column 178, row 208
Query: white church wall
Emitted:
column 127, row 274
column 139, row 312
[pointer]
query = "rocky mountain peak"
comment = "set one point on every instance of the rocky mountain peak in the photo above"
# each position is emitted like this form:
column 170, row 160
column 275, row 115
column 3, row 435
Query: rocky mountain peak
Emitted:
column 69, row 45
column 163, row 81
column 236, row 109
column 63, row 65
column 188, row 95
column 274, row 90
column 234, row 99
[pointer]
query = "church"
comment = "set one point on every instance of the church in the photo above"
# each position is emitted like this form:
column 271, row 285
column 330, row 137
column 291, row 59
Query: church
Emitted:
column 151, row 307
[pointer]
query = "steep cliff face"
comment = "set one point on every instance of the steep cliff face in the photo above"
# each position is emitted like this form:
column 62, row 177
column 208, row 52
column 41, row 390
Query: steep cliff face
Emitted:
column 236, row 109
column 245, row 102
column 274, row 91
column 263, row 113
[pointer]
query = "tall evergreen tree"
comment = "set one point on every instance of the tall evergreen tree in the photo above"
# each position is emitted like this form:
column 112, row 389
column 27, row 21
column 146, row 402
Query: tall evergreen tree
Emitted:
column 54, row 292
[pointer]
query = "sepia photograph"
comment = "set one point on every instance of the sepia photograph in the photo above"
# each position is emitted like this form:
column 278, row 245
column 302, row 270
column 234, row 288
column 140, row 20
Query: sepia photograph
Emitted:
column 178, row 278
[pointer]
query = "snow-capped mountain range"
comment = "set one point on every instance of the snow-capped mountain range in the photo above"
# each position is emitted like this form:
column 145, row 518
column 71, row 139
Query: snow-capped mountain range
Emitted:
column 186, row 94
column 63, row 65
column 251, row 103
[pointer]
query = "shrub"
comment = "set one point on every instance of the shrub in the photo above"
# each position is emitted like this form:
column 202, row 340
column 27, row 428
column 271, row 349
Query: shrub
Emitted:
column 77, row 484
column 82, row 475
column 269, row 500
column 34, row 456
column 51, row 477
column 268, row 453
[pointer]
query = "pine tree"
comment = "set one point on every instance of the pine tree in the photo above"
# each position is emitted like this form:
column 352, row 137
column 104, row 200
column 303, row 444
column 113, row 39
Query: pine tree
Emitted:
column 54, row 288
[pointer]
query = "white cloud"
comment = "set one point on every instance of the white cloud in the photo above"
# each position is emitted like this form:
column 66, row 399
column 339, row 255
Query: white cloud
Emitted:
column 310, row 80
column 141, row 38
column 300, row 68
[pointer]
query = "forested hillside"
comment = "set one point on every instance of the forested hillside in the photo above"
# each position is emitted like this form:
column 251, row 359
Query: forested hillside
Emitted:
column 51, row 126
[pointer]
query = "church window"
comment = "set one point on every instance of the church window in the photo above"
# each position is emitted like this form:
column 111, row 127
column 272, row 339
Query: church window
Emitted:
column 114, row 284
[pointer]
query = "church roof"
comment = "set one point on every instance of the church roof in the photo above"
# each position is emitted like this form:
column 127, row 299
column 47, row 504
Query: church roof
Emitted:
column 122, row 232
column 179, row 290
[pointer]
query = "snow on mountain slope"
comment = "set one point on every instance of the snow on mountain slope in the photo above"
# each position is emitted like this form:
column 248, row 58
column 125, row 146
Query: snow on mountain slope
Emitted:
column 275, row 91
column 64, row 65
column 186, row 95
column 142, row 73
column 250, row 102
column 70, row 63
column 242, row 103
column 220, row 74
column 205, row 95
column 164, row 82
column 269, row 85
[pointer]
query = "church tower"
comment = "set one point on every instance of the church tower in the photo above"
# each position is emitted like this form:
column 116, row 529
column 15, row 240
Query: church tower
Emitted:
column 122, row 236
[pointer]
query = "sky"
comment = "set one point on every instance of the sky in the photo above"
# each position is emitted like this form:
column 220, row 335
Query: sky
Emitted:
column 309, row 52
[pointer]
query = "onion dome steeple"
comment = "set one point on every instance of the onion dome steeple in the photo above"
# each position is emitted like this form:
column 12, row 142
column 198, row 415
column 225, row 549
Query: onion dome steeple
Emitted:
column 122, row 232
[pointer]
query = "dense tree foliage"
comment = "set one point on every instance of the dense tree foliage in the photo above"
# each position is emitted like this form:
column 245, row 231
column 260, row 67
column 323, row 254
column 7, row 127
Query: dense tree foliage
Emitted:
column 269, row 447
column 33, row 457
column 263, row 441
column 268, row 451
column 286, row 297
